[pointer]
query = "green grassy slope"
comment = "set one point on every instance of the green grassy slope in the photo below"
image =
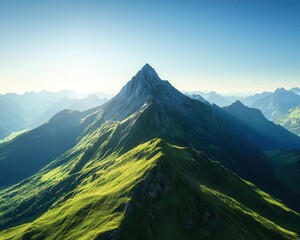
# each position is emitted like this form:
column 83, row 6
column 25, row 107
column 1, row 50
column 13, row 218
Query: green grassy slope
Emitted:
column 291, row 121
column 153, row 191
column 188, row 196
column 97, row 202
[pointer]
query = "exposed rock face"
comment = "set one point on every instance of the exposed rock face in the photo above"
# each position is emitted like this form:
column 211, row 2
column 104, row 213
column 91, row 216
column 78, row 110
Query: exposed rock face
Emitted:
column 160, row 184
column 155, row 186
column 145, row 87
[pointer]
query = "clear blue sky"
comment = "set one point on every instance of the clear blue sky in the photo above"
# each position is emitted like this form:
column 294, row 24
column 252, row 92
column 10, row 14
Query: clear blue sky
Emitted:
column 226, row 46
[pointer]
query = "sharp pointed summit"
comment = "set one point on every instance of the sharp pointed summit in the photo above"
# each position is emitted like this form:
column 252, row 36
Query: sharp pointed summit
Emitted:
column 143, row 84
column 148, row 71
column 145, row 87
column 147, row 74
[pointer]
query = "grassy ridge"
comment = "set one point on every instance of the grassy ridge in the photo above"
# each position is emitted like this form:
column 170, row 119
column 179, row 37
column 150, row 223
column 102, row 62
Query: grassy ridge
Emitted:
column 189, row 196
column 154, row 191
column 97, row 203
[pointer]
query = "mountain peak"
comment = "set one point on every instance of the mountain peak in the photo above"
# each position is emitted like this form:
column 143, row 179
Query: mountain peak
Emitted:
column 147, row 68
column 280, row 90
column 144, row 88
column 237, row 103
column 148, row 73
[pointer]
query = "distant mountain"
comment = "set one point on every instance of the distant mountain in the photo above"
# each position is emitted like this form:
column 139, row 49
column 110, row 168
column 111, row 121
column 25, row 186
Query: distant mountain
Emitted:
column 231, row 98
column 91, row 101
column 35, row 103
column 248, row 101
column 212, row 97
column 291, row 121
column 19, row 112
column 277, row 104
column 261, row 131
column 29, row 152
column 197, row 97
column 12, row 118
column 217, row 99
column 151, row 163
column 103, row 95
column 296, row 90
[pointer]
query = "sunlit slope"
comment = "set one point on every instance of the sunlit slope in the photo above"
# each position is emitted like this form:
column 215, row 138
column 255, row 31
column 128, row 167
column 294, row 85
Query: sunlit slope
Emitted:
column 291, row 121
column 188, row 196
column 154, row 191
column 95, row 205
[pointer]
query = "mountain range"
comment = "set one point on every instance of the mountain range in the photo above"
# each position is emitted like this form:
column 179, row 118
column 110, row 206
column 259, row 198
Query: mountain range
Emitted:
column 151, row 163
column 277, row 104
column 213, row 98
column 273, row 105
column 250, row 100
column 29, row 110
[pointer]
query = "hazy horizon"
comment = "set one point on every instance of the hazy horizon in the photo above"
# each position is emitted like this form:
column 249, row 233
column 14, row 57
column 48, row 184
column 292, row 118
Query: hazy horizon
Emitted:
column 115, row 91
column 111, row 94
